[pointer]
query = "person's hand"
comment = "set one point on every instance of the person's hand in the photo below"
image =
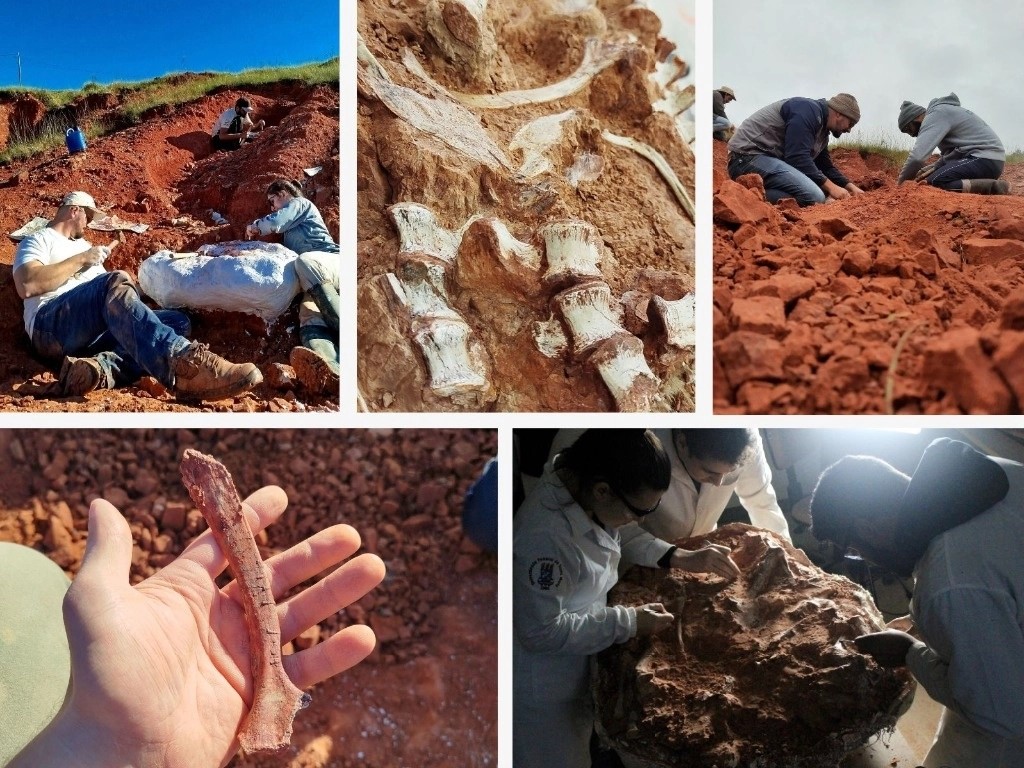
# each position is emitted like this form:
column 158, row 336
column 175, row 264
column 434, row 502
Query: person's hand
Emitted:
column 834, row 191
column 251, row 232
column 96, row 255
column 888, row 648
column 714, row 558
column 652, row 618
column 853, row 189
column 160, row 672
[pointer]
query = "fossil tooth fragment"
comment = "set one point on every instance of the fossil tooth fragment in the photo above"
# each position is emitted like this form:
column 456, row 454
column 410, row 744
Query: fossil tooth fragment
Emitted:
column 489, row 257
column 461, row 31
column 660, row 163
column 535, row 139
column 445, row 345
column 419, row 231
column 624, row 370
column 675, row 319
column 572, row 250
column 587, row 309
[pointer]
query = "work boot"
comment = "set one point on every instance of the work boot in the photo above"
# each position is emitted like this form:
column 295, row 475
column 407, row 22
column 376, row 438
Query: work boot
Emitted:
column 327, row 301
column 79, row 376
column 986, row 186
column 199, row 374
column 315, row 373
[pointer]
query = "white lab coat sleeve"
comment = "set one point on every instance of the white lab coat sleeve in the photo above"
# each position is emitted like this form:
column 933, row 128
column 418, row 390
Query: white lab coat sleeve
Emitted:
column 756, row 494
column 975, row 665
column 543, row 623
column 640, row 547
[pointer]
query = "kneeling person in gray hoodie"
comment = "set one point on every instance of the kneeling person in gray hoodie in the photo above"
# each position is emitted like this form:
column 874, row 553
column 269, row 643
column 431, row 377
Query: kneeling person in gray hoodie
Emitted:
column 972, row 156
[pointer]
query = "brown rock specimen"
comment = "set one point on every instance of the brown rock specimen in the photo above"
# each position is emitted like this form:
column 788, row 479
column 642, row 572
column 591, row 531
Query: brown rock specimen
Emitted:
column 756, row 672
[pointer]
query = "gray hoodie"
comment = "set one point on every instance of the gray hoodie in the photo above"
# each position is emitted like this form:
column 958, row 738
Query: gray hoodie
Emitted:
column 951, row 128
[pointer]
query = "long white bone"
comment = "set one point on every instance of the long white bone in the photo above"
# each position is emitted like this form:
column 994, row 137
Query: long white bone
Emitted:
column 660, row 163
column 620, row 362
column 676, row 318
column 587, row 309
column 572, row 250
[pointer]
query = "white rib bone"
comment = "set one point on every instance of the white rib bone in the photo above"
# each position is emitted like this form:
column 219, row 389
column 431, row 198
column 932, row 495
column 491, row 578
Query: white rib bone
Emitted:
column 535, row 139
column 445, row 345
column 572, row 250
column 660, row 163
column 550, row 338
column 460, row 29
column 624, row 370
column 441, row 117
column 419, row 231
column 676, row 318
column 587, row 309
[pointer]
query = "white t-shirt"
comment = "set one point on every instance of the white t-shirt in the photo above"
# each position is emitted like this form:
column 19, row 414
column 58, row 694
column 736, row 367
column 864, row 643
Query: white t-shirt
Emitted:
column 224, row 121
column 50, row 247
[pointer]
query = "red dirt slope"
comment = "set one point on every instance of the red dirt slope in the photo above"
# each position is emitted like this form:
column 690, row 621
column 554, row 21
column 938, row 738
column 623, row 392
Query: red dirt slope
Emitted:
column 907, row 299
column 161, row 173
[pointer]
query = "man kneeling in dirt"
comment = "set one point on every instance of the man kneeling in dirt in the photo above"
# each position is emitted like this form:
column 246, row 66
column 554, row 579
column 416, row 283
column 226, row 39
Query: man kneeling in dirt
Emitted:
column 73, row 306
column 786, row 144
column 972, row 155
column 235, row 126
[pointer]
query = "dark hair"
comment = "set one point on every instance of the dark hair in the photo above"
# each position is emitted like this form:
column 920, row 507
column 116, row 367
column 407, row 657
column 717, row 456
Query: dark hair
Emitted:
column 284, row 185
column 854, row 488
column 732, row 446
column 626, row 459
column 242, row 103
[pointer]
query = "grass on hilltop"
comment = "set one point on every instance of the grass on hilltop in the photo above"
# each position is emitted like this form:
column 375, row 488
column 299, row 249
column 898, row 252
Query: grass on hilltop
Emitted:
column 136, row 99
column 896, row 150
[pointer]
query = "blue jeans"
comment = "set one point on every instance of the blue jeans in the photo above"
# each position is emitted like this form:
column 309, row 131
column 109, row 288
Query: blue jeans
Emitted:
column 780, row 178
column 949, row 174
column 104, row 318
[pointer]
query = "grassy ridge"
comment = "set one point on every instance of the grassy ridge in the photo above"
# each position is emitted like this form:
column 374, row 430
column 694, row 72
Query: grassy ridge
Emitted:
column 896, row 149
column 136, row 99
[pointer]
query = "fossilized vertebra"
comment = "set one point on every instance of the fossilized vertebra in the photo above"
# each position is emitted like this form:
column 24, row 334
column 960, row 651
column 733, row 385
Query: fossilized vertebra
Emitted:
column 587, row 309
column 460, row 29
column 423, row 289
column 445, row 345
column 572, row 249
column 660, row 163
column 419, row 230
column 676, row 319
column 624, row 370
column 486, row 244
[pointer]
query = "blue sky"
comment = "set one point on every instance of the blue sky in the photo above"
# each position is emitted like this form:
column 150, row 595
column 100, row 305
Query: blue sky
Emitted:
column 65, row 44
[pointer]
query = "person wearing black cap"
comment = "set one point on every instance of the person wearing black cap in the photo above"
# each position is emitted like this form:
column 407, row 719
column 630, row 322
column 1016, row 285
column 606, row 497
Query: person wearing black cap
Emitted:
column 786, row 144
column 957, row 526
column 235, row 126
column 972, row 156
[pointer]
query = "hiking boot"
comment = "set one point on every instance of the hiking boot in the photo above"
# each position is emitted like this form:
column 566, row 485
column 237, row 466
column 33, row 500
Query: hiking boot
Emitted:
column 986, row 186
column 79, row 376
column 314, row 372
column 199, row 374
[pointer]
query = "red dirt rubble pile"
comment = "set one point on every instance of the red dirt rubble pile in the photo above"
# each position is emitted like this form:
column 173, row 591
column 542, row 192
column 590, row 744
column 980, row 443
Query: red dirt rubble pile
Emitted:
column 492, row 304
column 907, row 299
column 756, row 672
column 430, row 688
column 162, row 173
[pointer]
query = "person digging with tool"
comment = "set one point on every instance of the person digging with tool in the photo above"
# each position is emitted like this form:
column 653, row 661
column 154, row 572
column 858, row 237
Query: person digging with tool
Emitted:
column 318, row 267
column 95, row 324
column 786, row 144
column 957, row 526
column 972, row 156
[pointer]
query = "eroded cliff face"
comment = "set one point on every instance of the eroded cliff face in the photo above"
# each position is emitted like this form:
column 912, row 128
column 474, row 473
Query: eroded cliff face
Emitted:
column 756, row 672
column 524, row 242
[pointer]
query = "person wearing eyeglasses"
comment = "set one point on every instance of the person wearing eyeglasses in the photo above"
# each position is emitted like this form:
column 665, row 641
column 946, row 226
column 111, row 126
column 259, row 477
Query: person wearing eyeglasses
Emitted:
column 566, row 547
column 708, row 467
column 972, row 156
column 957, row 526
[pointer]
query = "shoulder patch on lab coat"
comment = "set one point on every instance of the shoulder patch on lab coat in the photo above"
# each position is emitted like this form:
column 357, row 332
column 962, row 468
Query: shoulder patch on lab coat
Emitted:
column 546, row 573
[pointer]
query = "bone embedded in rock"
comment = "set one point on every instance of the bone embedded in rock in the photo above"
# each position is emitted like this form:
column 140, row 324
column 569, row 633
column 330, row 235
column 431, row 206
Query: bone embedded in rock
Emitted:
column 676, row 318
column 535, row 139
column 419, row 231
column 624, row 370
column 461, row 31
column 572, row 249
column 550, row 338
column 267, row 726
column 490, row 258
column 660, row 163
column 423, row 290
column 587, row 309
column 676, row 101
column 445, row 345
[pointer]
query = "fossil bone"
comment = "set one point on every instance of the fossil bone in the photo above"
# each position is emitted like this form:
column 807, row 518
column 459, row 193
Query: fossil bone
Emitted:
column 586, row 167
column 676, row 101
column 419, row 231
column 461, row 31
column 423, row 289
column 676, row 318
column 442, row 118
column 587, row 309
column 572, row 250
column 550, row 338
column 535, row 139
column 660, row 163
column 268, row 724
column 445, row 345
column 487, row 242
column 624, row 370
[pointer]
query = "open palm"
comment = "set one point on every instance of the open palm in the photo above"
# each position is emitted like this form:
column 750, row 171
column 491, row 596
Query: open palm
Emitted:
column 160, row 671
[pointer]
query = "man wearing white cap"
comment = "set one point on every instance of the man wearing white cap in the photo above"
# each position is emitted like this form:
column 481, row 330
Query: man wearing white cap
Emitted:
column 235, row 126
column 786, row 144
column 73, row 307
column 723, row 127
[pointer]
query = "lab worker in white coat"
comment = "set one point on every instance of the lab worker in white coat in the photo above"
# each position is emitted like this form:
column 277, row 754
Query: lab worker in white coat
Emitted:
column 957, row 526
column 566, row 550
column 708, row 467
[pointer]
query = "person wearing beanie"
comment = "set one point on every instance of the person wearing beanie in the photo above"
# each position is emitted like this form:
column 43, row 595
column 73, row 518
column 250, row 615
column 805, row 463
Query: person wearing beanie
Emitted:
column 972, row 156
column 723, row 127
column 786, row 144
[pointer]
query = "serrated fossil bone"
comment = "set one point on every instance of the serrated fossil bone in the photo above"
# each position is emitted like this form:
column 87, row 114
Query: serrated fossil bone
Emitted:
column 675, row 319
column 572, row 249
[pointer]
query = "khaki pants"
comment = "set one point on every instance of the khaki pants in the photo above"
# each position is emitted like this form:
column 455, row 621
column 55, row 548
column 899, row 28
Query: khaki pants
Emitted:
column 314, row 268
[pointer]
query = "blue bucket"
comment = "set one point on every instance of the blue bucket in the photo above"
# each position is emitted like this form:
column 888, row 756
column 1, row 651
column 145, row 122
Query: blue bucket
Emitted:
column 75, row 140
